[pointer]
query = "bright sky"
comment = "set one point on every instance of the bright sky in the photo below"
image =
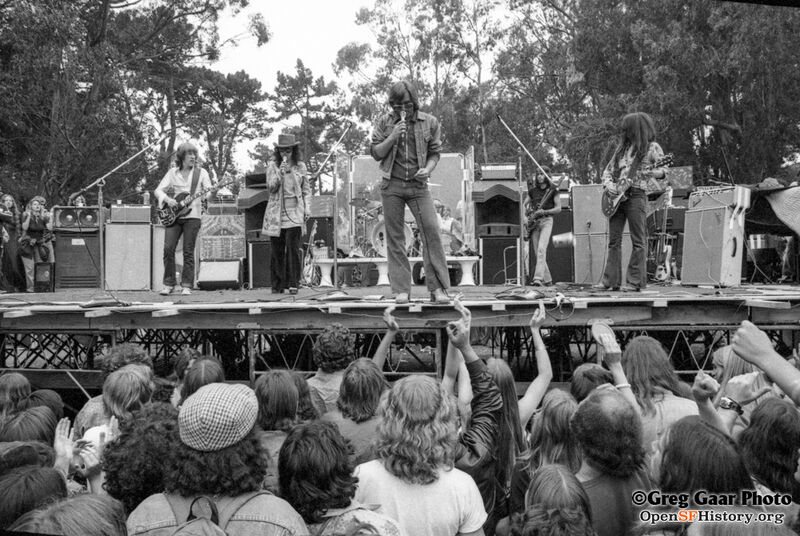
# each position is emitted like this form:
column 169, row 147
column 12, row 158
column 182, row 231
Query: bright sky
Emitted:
column 312, row 30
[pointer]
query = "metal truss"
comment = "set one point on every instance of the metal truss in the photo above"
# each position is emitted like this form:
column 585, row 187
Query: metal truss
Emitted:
column 46, row 350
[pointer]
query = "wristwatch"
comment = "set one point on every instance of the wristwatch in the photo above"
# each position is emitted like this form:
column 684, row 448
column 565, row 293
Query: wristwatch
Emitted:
column 729, row 403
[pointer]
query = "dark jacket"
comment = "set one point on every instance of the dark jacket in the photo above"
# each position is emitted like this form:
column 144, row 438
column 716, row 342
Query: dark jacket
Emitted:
column 475, row 453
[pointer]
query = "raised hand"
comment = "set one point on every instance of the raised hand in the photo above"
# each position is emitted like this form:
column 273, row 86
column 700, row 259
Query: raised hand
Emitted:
column 390, row 320
column 64, row 439
column 466, row 315
column 751, row 344
column 742, row 388
column 539, row 316
column 704, row 387
column 458, row 333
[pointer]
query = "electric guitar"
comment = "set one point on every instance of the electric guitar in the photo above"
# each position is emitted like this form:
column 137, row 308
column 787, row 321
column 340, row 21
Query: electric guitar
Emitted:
column 531, row 220
column 610, row 202
column 307, row 277
column 167, row 215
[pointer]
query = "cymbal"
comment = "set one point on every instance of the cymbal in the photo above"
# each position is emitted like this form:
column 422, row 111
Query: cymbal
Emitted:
column 364, row 203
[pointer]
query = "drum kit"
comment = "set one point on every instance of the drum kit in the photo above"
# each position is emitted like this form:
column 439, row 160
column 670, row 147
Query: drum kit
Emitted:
column 370, row 229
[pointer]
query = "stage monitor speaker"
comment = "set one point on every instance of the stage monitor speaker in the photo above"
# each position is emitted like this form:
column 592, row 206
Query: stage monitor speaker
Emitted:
column 128, row 256
column 43, row 277
column 591, row 256
column 712, row 248
column 77, row 256
column 498, row 260
column 215, row 275
column 559, row 260
column 76, row 219
column 259, row 274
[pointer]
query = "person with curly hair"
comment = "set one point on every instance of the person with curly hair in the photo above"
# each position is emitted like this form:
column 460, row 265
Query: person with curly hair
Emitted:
column 555, row 504
column 218, row 456
column 608, row 431
column 277, row 414
column 333, row 350
column 663, row 398
column 136, row 460
column 93, row 412
column 82, row 515
column 357, row 418
column 316, row 477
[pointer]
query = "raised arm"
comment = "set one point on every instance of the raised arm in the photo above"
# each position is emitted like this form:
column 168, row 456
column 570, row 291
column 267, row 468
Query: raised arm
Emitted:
column 754, row 346
column 538, row 387
column 704, row 389
column 392, row 328
column 612, row 357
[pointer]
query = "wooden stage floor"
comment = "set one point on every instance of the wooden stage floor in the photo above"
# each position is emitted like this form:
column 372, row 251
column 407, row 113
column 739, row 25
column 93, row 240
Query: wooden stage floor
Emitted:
column 658, row 307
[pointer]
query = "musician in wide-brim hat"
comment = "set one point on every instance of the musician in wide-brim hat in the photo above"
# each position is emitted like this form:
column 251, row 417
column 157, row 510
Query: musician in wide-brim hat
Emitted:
column 286, row 213
column 187, row 178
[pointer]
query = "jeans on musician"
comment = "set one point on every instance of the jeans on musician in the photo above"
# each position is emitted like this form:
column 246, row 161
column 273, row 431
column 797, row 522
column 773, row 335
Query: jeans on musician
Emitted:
column 540, row 238
column 286, row 264
column 396, row 194
column 634, row 211
column 189, row 229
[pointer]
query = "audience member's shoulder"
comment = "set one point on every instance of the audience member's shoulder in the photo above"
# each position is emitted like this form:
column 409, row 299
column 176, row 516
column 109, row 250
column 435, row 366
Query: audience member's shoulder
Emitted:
column 154, row 510
column 369, row 468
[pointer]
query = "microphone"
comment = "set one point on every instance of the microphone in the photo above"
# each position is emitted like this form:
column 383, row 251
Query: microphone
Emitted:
column 403, row 116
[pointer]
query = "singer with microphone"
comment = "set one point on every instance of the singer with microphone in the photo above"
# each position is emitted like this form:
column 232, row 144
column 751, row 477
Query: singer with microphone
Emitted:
column 286, row 213
column 407, row 143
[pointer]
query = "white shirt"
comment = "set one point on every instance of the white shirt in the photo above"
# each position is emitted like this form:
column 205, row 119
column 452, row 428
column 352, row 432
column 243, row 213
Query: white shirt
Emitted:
column 175, row 179
column 450, row 505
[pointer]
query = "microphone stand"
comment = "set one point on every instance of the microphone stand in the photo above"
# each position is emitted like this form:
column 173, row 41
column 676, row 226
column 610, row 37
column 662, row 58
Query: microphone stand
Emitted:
column 522, row 146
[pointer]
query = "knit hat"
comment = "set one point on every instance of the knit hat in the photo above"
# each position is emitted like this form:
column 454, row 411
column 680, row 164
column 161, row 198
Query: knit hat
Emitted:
column 217, row 416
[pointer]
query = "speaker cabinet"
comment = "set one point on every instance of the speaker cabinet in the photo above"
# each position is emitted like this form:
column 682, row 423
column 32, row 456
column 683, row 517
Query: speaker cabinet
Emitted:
column 259, row 254
column 498, row 260
column 128, row 256
column 591, row 256
column 43, row 277
column 130, row 213
column 76, row 218
column 215, row 275
column 77, row 259
column 559, row 260
column 587, row 214
column 712, row 248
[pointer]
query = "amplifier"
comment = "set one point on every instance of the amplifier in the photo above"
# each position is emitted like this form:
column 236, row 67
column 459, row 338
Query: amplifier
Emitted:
column 76, row 218
column 228, row 247
column 498, row 172
column 321, row 206
column 712, row 248
column 498, row 229
column 726, row 196
column 43, row 277
column 130, row 213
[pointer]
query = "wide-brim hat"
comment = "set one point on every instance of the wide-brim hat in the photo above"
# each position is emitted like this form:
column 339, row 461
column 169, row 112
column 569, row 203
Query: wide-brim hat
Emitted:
column 286, row 141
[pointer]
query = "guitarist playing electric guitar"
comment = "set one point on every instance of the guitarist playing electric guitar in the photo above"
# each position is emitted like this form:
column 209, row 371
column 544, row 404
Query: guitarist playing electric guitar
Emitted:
column 543, row 195
column 187, row 178
column 632, row 163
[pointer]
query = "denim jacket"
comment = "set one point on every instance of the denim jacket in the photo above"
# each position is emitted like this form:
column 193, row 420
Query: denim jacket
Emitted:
column 427, row 132
column 265, row 515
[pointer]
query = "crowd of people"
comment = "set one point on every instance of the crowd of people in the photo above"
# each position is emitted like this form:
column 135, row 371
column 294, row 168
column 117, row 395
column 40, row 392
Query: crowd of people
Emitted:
column 347, row 453
column 27, row 238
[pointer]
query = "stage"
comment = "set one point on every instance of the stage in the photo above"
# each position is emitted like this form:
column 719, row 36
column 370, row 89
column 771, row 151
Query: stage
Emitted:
column 48, row 335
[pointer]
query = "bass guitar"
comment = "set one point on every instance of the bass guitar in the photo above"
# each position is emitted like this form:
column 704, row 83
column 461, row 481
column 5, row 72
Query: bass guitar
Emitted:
column 531, row 220
column 610, row 201
column 167, row 215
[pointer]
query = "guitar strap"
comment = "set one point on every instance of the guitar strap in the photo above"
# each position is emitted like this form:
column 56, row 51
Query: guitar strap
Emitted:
column 195, row 180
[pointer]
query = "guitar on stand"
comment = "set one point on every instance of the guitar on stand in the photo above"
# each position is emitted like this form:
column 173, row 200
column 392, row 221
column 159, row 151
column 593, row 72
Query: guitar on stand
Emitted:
column 610, row 201
column 168, row 215
column 309, row 277
column 663, row 255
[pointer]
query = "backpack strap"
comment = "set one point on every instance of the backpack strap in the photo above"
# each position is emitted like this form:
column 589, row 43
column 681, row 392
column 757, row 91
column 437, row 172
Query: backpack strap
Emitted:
column 233, row 507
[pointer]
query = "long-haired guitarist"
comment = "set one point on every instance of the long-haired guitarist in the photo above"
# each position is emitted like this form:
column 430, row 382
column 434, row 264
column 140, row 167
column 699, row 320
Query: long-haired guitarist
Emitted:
column 286, row 213
column 542, row 203
column 635, row 151
column 185, row 179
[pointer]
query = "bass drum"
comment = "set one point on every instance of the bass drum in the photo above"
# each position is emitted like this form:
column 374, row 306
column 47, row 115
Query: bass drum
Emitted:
column 378, row 238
